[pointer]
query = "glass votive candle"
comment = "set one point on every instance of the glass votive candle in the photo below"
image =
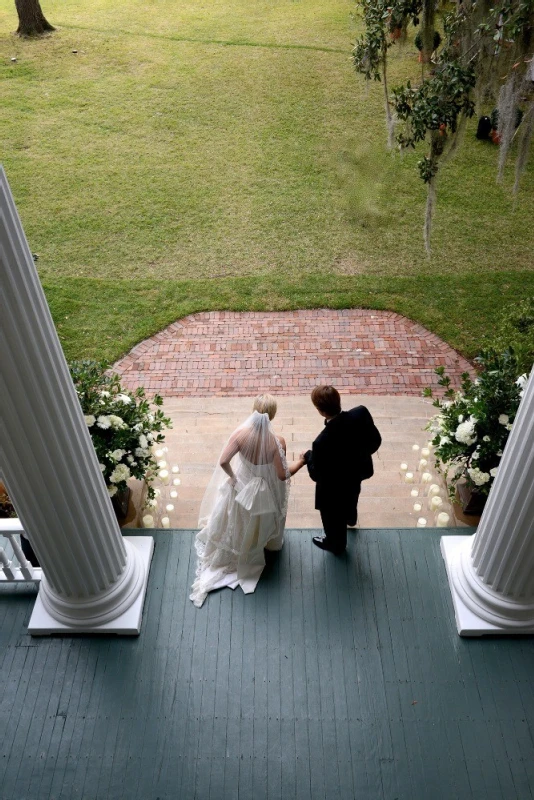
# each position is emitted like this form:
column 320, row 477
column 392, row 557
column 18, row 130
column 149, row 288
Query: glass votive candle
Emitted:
column 159, row 453
column 408, row 477
column 423, row 464
column 157, row 492
column 421, row 522
column 176, row 482
column 165, row 522
column 426, row 477
column 173, row 494
column 403, row 469
column 433, row 490
column 148, row 521
column 414, row 492
column 163, row 475
column 442, row 519
column 425, row 452
column 162, row 464
column 175, row 470
column 169, row 507
column 417, row 507
column 435, row 503
column 415, row 448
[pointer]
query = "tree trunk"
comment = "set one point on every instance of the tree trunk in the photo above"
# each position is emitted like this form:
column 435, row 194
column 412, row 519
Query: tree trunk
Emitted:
column 32, row 21
column 427, row 30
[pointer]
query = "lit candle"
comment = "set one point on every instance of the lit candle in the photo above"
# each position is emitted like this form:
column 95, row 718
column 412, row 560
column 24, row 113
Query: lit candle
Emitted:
column 403, row 469
column 426, row 477
column 415, row 448
column 165, row 522
column 442, row 519
column 163, row 475
column 176, row 482
column 422, row 465
column 421, row 522
column 173, row 494
column 175, row 469
column 417, row 507
column 159, row 453
column 425, row 452
column 148, row 521
column 433, row 490
column 409, row 477
column 414, row 492
column 169, row 507
column 435, row 503
column 162, row 464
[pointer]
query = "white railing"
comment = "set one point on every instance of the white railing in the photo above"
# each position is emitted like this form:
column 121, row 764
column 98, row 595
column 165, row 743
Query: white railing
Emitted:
column 17, row 568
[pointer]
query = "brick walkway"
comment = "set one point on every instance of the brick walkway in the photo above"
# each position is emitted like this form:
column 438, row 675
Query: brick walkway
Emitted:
column 226, row 353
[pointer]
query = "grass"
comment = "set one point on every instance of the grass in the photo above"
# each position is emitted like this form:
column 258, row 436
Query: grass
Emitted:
column 196, row 157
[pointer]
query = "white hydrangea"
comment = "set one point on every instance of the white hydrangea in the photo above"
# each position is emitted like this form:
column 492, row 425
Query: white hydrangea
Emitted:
column 130, row 459
column 486, row 439
column 143, row 442
column 522, row 382
column 499, row 453
column 478, row 477
column 102, row 467
column 476, row 455
column 509, row 426
column 504, row 419
column 138, row 427
column 140, row 452
column 104, row 393
column 493, row 472
column 120, row 473
column 460, row 417
column 112, row 490
column 465, row 432
column 116, row 455
column 116, row 422
column 444, row 440
column 104, row 422
column 123, row 398
column 90, row 419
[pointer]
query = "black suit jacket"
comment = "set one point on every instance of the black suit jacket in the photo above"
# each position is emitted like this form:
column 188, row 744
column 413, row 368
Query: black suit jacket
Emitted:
column 340, row 458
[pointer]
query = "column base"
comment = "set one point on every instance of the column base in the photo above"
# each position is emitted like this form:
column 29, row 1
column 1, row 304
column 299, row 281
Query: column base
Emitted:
column 127, row 624
column 468, row 622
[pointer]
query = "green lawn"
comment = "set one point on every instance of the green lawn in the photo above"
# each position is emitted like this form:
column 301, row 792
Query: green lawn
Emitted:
column 190, row 157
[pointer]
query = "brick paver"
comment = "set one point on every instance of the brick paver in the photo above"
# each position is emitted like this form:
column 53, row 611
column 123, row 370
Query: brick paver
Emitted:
column 225, row 353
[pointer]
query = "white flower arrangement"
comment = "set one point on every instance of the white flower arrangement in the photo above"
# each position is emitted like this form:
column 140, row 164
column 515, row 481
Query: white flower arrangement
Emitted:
column 116, row 436
column 472, row 425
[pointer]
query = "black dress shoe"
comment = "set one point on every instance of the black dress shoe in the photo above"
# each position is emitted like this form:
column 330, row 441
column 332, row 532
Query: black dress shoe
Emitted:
column 322, row 543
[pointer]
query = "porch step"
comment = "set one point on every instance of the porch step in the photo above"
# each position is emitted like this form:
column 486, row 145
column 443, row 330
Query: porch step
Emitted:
column 201, row 426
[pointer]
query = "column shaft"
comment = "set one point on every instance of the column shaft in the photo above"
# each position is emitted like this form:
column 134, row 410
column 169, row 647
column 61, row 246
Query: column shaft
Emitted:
column 49, row 464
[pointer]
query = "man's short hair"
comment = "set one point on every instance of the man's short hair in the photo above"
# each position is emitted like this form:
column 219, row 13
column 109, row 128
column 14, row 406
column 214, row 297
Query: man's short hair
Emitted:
column 327, row 400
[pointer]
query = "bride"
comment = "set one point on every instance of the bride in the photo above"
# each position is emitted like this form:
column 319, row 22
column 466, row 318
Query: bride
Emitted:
column 244, row 508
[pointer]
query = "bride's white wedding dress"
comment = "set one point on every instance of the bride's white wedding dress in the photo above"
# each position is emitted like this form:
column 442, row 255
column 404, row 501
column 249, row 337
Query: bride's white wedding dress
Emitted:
column 243, row 518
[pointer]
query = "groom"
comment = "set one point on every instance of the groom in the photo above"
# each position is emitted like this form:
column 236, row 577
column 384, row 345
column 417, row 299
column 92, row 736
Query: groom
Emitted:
column 339, row 460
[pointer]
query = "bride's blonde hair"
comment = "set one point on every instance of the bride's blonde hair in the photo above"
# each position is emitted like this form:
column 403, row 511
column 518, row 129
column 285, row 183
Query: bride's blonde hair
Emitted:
column 265, row 404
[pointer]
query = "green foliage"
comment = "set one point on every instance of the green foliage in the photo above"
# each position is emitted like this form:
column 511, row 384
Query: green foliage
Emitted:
column 473, row 424
column 370, row 49
column 124, row 426
column 436, row 103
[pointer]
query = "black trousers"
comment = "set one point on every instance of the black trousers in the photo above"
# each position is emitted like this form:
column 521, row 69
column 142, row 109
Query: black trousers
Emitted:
column 336, row 517
column 27, row 549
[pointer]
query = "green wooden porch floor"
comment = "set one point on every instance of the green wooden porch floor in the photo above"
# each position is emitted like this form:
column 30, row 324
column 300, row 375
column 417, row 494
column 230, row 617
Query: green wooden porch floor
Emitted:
column 339, row 678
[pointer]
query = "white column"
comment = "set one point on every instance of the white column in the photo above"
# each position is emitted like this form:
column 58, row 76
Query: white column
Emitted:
column 491, row 575
column 93, row 579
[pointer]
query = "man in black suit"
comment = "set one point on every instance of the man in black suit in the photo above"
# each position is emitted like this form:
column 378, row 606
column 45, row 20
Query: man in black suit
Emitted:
column 339, row 460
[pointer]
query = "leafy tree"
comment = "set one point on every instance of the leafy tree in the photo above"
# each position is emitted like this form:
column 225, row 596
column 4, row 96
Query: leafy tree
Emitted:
column 32, row 21
column 486, row 56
